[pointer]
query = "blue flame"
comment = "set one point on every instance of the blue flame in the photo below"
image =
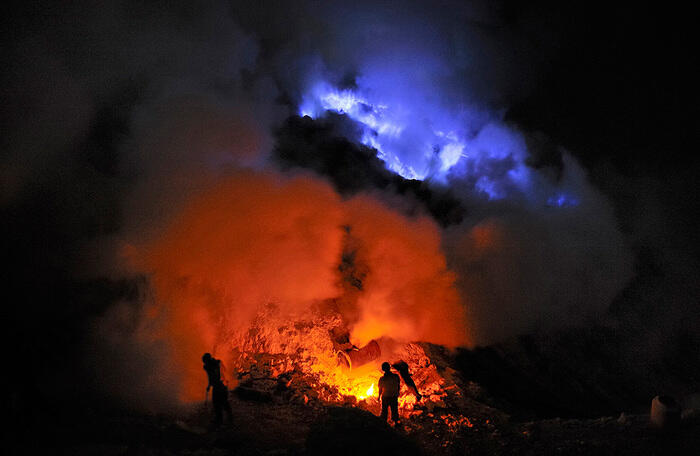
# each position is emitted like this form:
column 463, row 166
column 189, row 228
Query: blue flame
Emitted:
column 426, row 141
column 383, row 128
column 562, row 200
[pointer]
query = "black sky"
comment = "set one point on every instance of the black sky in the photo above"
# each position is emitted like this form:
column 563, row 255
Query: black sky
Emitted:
column 613, row 85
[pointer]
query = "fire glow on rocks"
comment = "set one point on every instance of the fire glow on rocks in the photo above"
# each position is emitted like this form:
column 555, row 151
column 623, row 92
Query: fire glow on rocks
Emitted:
column 300, row 351
column 300, row 361
column 261, row 269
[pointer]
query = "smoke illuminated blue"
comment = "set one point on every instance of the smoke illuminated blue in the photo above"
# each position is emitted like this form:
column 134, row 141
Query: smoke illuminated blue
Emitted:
column 383, row 130
column 562, row 200
column 424, row 140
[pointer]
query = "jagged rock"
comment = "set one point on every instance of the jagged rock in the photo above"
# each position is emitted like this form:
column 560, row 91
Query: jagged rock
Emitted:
column 623, row 419
column 665, row 412
column 364, row 355
column 691, row 408
column 690, row 415
column 351, row 431
column 189, row 428
column 250, row 394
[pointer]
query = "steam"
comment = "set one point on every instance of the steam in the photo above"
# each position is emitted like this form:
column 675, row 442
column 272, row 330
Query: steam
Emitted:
column 220, row 231
column 408, row 292
column 256, row 239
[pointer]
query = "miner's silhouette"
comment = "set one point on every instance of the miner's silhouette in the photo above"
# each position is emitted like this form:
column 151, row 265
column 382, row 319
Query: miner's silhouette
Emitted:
column 389, row 393
column 219, row 395
column 402, row 367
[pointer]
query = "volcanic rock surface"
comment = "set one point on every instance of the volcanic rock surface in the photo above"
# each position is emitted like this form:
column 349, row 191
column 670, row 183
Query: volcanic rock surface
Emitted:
column 289, row 412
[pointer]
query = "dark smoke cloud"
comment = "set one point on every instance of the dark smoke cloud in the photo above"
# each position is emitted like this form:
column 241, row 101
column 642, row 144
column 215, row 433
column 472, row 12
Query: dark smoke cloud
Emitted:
column 95, row 152
column 117, row 115
column 526, row 271
column 330, row 148
column 471, row 50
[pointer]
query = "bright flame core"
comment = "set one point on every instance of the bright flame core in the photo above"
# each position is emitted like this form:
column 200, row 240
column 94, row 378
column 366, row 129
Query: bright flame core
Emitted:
column 370, row 390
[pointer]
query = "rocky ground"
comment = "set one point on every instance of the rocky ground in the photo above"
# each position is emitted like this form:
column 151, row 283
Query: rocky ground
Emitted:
column 513, row 408
column 276, row 428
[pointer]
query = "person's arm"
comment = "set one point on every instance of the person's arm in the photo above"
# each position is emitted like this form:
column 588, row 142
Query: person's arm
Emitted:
column 208, row 379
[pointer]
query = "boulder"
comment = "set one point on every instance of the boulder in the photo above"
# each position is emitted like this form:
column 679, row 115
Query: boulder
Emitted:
column 364, row 355
column 665, row 412
column 254, row 395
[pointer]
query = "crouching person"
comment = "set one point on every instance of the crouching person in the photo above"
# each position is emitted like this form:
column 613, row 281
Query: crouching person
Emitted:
column 389, row 393
column 219, row 395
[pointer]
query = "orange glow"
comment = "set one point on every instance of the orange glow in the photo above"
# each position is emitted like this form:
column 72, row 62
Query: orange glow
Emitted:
column 486, row 236
column 410, row 294
column 244, row 268
column 369, row 393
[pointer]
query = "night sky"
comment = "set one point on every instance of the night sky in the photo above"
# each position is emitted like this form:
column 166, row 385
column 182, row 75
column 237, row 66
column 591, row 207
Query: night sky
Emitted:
column 114, row 114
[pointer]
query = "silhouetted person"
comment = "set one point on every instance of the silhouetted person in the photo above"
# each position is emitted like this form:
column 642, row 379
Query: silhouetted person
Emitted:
column 389, row 393
column 402, row 367
column 219, row 395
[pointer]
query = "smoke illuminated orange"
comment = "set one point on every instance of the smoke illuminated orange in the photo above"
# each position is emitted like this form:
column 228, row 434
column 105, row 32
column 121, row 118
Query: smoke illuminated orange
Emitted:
column 261, row 241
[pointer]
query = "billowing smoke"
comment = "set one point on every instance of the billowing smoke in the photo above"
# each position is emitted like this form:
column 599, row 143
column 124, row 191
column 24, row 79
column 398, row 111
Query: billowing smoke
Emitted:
column 250, row 241
column 264, row 239
column 168, row 112
column 537, row 246
column 408, row 293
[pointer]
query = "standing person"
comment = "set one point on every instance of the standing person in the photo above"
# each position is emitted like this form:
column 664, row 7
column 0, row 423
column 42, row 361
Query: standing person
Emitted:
column 389, row 393
column 219, row 395
column 402, row 367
